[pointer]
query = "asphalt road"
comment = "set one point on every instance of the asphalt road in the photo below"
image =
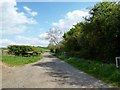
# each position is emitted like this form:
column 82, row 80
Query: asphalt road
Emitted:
column 50, row 72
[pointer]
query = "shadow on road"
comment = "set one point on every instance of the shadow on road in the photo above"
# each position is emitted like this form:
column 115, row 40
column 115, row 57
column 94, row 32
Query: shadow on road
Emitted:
column 65, row 74
column 55, row 70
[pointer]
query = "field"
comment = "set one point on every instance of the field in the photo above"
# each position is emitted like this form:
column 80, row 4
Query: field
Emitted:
column 40, row 49
column 18, row 60
column 105, row 72
column 14, row 60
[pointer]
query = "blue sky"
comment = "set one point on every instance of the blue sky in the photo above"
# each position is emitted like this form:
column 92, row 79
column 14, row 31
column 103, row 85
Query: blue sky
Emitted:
column 51, row 12
column 28, row 22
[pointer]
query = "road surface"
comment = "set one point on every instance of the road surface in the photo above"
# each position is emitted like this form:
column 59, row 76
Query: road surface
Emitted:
column 50, row 72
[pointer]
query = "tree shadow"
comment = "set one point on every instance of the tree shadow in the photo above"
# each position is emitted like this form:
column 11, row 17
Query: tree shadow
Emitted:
column 61, row 76
column 65, row 74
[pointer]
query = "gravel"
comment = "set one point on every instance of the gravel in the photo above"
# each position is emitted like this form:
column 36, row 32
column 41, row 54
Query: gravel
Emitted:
column 50, row 72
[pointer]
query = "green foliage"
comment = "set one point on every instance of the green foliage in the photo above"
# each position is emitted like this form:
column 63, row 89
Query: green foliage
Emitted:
column 19, row 50
column 106, row 72
column 98, row 40
column 99, row 36
column 51, row 47
column 18, row 60
column 40, row 49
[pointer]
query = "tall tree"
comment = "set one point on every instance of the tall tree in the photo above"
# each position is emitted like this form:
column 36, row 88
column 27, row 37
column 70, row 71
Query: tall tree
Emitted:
column 99, row 36
column 54, row 36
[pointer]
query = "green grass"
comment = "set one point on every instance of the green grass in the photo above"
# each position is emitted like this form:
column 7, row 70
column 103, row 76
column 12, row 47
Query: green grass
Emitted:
column 18, row 60
column 40, row 49
column 105, row 72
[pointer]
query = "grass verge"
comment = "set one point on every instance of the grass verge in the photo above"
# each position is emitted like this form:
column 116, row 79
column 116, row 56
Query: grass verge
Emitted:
column 105, row 72
column 18, row 60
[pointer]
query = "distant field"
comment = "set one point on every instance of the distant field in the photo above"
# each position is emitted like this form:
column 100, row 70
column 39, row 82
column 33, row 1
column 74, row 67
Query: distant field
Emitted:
column 19, row 60
column 40, row 49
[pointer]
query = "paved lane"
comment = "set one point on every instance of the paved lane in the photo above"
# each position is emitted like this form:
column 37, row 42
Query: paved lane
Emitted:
column 49, row 72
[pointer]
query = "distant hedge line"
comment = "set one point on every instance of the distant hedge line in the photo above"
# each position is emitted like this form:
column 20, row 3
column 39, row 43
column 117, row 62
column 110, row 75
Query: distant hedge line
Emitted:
column 20, row 50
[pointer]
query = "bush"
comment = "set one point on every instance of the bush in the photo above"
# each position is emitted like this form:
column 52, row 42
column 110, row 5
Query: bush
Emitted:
column 19, row 50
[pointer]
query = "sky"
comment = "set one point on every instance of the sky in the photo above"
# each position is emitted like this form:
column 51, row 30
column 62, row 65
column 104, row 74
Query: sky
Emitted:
column 27, row 23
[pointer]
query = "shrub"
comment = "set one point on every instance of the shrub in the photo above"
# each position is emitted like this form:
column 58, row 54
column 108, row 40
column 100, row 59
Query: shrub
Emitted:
column 18, row 50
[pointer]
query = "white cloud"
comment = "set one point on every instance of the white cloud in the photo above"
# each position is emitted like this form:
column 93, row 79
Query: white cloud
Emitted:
column 70, row 19
column 13, row 22
column 43, row 35
column 31, row 41
column 23, row 40
column 6, row 42
column 29, row 11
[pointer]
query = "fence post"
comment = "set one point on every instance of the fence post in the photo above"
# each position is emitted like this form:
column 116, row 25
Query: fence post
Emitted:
column 117, row 62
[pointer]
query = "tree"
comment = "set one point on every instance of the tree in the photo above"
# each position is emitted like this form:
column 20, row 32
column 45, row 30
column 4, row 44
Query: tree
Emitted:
column 72, row 38
column 99, row 36
column 54, row 36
